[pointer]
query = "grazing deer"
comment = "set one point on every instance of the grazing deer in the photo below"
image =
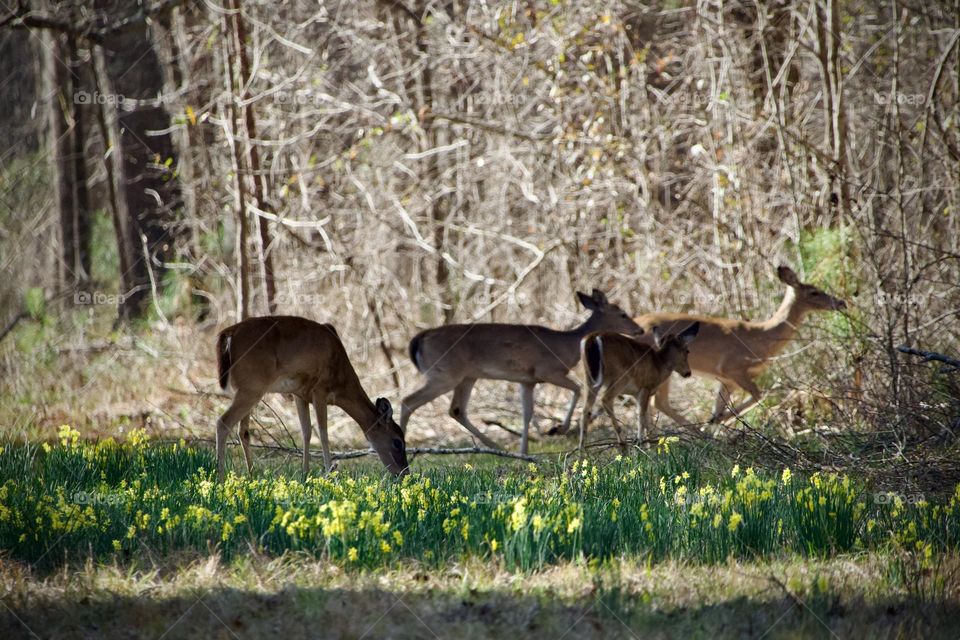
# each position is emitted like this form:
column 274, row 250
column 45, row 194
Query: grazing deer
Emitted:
column 287, row 354
column 455, row 356
column 620, row 365
column 735, row 351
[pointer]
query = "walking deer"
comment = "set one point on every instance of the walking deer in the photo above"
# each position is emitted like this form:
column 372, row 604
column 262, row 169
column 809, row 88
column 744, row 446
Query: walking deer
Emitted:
column 734, row 352
column 619, row 365
column 287, row 354
column 454, row 357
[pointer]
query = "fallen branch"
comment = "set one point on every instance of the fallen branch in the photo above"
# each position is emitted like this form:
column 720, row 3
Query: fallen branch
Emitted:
column 13, row 323
column 494, row 423
column 359, row 453
column 932, row 356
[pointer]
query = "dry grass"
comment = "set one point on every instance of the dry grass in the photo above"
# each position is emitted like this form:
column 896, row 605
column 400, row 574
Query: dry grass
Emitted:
column 297, row 597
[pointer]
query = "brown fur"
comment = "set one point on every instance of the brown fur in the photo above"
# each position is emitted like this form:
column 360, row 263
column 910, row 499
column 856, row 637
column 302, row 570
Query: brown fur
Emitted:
column 454, row 357
column 735, row 351
column 288, row 354
column 618, row 365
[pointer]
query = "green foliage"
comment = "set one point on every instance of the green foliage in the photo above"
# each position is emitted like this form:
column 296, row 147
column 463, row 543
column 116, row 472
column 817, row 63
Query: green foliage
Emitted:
column 104, row 256
column 110, row 499
column 34, row 303
column 824, row 253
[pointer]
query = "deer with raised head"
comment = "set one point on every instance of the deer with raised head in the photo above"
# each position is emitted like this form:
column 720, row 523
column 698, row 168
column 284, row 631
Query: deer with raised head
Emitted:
column 734, row 352
column 619, row 365
column 287, row 354
column 454, row 357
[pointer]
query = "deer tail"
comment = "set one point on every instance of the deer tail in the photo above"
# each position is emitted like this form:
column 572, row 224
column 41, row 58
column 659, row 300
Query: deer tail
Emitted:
column 223, row 358
column 591, row 353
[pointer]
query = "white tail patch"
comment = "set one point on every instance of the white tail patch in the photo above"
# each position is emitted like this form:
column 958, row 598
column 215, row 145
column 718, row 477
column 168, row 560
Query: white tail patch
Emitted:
column 592, row 356
column 599, row 381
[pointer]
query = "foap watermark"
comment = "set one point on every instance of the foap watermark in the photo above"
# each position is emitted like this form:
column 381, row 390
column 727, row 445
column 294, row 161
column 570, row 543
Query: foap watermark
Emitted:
column 893, row 497
column 85, row 97
column 298, row 298
column 98, row 298
column 298, row 97
column 901, row 299
column 884, row 98
column 494, row 99
column 692, row 99
column 97, row 499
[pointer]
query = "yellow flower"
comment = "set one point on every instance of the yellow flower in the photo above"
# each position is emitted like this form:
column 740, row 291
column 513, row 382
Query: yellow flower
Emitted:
column 537, row 523
column 735, row 471
column 494, row 545
column 385, row 546
column 574, row 525
column 353, row 554
column 116, row 545
column 397, row 538
column 735, row 520
column 785, row 477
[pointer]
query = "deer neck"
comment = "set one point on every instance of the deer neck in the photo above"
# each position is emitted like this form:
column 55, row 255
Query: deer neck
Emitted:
column 355, row 402
column 567, row 348
column 785, row 321
column 589, row 326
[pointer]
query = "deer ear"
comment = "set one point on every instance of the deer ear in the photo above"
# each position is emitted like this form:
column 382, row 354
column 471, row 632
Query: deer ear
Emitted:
column 599, row 297
column 657, row 336
column 586, row 301
column 787, row 276
column 688, row 334
column 384, row 409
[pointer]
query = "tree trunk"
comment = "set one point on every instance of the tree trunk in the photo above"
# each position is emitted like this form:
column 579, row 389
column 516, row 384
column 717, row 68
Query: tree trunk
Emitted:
column 148, row 178
column 252, row 156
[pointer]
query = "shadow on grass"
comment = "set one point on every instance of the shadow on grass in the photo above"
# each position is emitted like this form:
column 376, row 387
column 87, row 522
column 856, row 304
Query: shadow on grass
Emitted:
column 308, row 612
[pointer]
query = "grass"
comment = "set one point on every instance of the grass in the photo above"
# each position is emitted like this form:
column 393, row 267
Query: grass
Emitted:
column 297, row 596
column 107, row 501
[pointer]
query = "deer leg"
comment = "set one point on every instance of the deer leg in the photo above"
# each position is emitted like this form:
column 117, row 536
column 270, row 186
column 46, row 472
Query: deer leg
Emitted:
column 586, row 416
column 243, row 403
column 245, row 442
column 567, row 383
column 751, row 388
column 643, row 415
column 303, row 410
column 458, row 410
column 722, row 401
column 526, row 404
column 662, row 403
column 434, row 388
column 320, row 406
column 607, row 402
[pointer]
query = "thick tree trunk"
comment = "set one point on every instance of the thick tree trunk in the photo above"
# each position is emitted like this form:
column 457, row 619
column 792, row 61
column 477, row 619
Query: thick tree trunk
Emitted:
column 124, row 230
column 149, row 182
column 70, row 176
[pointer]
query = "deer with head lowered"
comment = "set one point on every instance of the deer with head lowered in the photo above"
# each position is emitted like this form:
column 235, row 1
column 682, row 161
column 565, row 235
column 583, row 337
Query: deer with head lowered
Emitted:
column 735, row 351
column 454, row 357
column 287, row 354
column 619, row 365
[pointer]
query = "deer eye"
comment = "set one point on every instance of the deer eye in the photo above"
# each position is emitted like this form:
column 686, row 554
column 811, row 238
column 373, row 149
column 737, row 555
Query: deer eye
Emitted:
column 397, row 443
